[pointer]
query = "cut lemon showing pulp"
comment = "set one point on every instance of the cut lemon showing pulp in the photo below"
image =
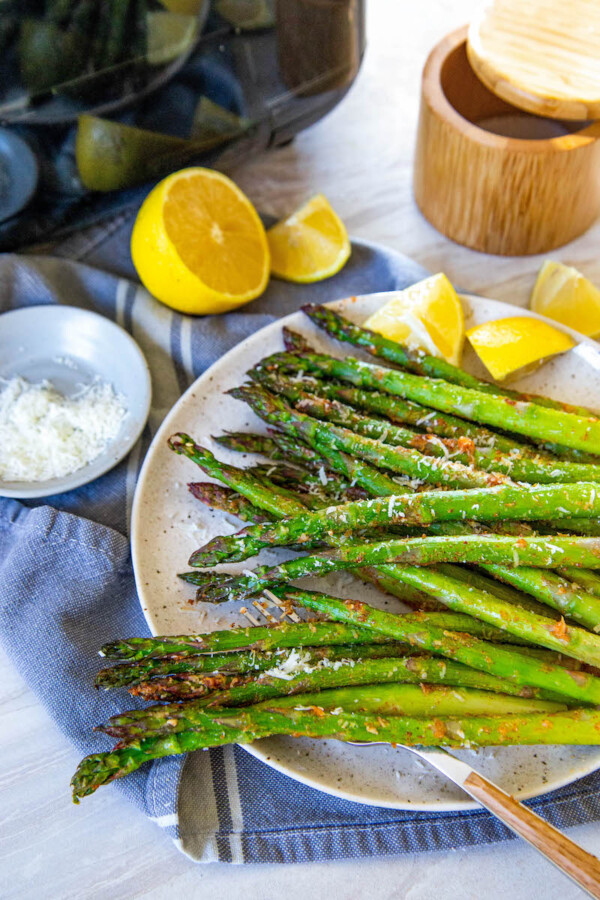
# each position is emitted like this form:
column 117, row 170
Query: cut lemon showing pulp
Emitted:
column 426, row 316
column 198, row 244
column 310, row 245
column 565, row 295
column 507, row 345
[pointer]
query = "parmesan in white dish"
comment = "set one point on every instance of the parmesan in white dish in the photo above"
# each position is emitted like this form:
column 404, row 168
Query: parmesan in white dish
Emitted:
column 44, row 434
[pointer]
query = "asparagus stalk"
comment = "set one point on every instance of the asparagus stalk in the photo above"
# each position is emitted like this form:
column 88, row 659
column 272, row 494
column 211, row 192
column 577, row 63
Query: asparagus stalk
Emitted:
column 247, row 725
column 184, row 686
column 490, row 460
column 243, row 662
column 537, row 422
column 359, row 475
column 589, row 581
column 258, row 491
column 323, row 436
column 262, row 637
column 295, row 342
column 384, row 699
column 218, row 497
column 508, row 594
column 553, row 590
column 416, row 361
column 266, row 638
column 117, row 13
column 487, row 505
column 468, row 599
column 478, row 549
column 407, row 670
column 225, row 663
column 277, row 446
column 511, row 665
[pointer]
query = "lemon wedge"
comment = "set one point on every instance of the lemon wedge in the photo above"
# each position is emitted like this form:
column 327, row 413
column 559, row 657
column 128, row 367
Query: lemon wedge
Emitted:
column 507, row 345
column 565, row 295
column 214, row 123
column 310, row 245
column 426, row 316
column 168, row 36
column 198, row 243
column 110, row 155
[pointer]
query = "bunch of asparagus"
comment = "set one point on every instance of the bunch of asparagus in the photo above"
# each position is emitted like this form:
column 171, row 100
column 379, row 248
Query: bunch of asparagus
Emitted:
column 71, row 40
column 476, row 506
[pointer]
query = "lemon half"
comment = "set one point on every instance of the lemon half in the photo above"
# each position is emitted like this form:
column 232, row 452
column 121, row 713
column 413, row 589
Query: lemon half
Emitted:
column 198, row 243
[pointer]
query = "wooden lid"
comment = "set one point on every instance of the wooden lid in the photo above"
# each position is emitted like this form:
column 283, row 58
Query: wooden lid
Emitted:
column 540, row 55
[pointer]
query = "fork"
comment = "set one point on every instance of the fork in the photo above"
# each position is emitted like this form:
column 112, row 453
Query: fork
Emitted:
column 580, row 866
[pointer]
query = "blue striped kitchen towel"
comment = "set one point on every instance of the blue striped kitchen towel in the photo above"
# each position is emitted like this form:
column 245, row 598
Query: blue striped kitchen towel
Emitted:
column 66, row 587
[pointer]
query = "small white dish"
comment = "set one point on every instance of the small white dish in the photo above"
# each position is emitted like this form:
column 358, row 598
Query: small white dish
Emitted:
column 71, row 348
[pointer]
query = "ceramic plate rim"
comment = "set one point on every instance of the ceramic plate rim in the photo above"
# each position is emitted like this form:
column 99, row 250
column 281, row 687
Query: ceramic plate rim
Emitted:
column 255, row 748
column 91, row 471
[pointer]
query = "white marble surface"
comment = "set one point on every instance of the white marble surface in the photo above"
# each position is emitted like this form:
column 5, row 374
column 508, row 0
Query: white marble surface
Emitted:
column 361, row 156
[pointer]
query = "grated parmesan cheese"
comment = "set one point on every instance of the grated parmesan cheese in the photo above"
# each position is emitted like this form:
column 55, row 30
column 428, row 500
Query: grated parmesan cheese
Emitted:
column 46, row 435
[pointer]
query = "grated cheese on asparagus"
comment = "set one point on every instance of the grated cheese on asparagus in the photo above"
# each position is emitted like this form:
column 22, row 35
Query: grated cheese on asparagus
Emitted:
column 44, row 434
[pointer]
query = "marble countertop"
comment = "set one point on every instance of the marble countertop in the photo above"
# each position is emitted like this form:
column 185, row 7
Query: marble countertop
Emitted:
column 361, row 156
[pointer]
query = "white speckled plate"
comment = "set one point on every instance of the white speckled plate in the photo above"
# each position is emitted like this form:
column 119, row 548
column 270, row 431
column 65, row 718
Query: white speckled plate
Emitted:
column 168, row 523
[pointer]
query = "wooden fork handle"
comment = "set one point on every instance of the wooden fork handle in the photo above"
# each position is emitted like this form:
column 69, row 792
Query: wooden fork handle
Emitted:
column 582, row 867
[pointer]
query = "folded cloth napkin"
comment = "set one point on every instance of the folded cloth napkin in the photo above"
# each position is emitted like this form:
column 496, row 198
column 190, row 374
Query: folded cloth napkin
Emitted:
column 66, row 587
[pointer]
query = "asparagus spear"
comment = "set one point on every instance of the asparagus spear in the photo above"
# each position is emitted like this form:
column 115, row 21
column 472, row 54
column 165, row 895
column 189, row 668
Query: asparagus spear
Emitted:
column 117, row 13
column 265, row 638
column 302, row 481
column 259, row 491
column 589, row 581
column 384, row 699
column 491, row 460
column 486, row 505
column 526, row 418
column 428, row 551
column 261, row 637
column 409, row 670
column 553, row 590
column 295, row 342
column 226, row 663
column 476, row 579
column 323, row 436
column 497, row 660
column 573, row 641
column 277, row 446
column 218, row 497
column 234, row 663
column 184, row 686
column 417, row 361
column 249, row 724
column 359, row 475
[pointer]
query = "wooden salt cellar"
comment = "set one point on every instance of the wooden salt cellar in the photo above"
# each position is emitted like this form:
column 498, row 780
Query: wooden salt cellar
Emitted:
column 501, row 194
